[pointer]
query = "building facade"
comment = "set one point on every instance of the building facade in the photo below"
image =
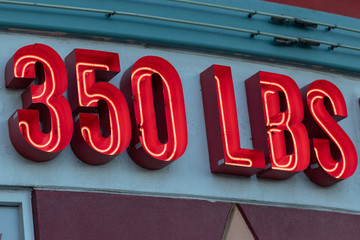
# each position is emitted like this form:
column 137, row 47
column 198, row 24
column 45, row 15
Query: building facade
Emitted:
column 179, row 119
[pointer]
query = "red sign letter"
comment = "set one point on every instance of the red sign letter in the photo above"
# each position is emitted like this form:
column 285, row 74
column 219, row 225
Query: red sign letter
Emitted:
column 274, row 101
column 334, row 156
column 155, row 96
column 41, row 103
column 222, row 129
column 102, row 129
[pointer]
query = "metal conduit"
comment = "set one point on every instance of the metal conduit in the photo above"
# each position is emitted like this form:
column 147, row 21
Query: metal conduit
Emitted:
column 254, row 12
column 283, row 39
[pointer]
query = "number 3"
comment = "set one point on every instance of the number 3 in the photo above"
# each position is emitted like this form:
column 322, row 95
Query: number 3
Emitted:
column 44, row 126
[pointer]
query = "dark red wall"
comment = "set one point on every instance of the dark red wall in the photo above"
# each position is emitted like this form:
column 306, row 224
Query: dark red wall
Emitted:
column 350, row 8
column 62, row 215
column 95, row 216
column 275, row 223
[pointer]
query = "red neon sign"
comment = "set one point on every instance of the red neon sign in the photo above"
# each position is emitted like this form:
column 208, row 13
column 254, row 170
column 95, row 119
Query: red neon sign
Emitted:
column 278, row 99
column 102, row 128
column 222, row 132
column 333, row 156
column 146, row 148
column 158, row 131
column 43, row 102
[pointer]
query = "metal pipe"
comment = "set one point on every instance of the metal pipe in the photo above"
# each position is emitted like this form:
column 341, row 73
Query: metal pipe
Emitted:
column 33, row 4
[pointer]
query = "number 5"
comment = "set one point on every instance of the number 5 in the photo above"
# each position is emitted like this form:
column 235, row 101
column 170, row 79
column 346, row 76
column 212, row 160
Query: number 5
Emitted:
column 102, row 126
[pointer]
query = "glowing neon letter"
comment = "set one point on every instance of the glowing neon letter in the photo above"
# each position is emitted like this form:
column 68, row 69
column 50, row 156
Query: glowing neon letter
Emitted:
column 102, row 126
column 41, row 103
column 333, row 155
column 274, row 101
column 222, row 128
column 154, row 80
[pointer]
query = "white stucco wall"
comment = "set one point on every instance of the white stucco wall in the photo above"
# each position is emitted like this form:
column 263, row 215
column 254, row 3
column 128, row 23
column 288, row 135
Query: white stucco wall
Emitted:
column 190, row 175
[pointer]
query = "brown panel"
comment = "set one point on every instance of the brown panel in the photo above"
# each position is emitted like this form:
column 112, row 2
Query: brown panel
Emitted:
column 350, row 8
column 275, row 223
column 92, row 216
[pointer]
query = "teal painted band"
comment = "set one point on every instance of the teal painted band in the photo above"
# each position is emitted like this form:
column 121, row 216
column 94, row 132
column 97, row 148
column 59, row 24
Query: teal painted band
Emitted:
column 132, row 29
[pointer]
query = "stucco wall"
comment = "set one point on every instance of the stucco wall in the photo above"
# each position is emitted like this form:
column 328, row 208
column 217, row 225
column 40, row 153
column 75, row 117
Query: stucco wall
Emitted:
column 190, row 175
